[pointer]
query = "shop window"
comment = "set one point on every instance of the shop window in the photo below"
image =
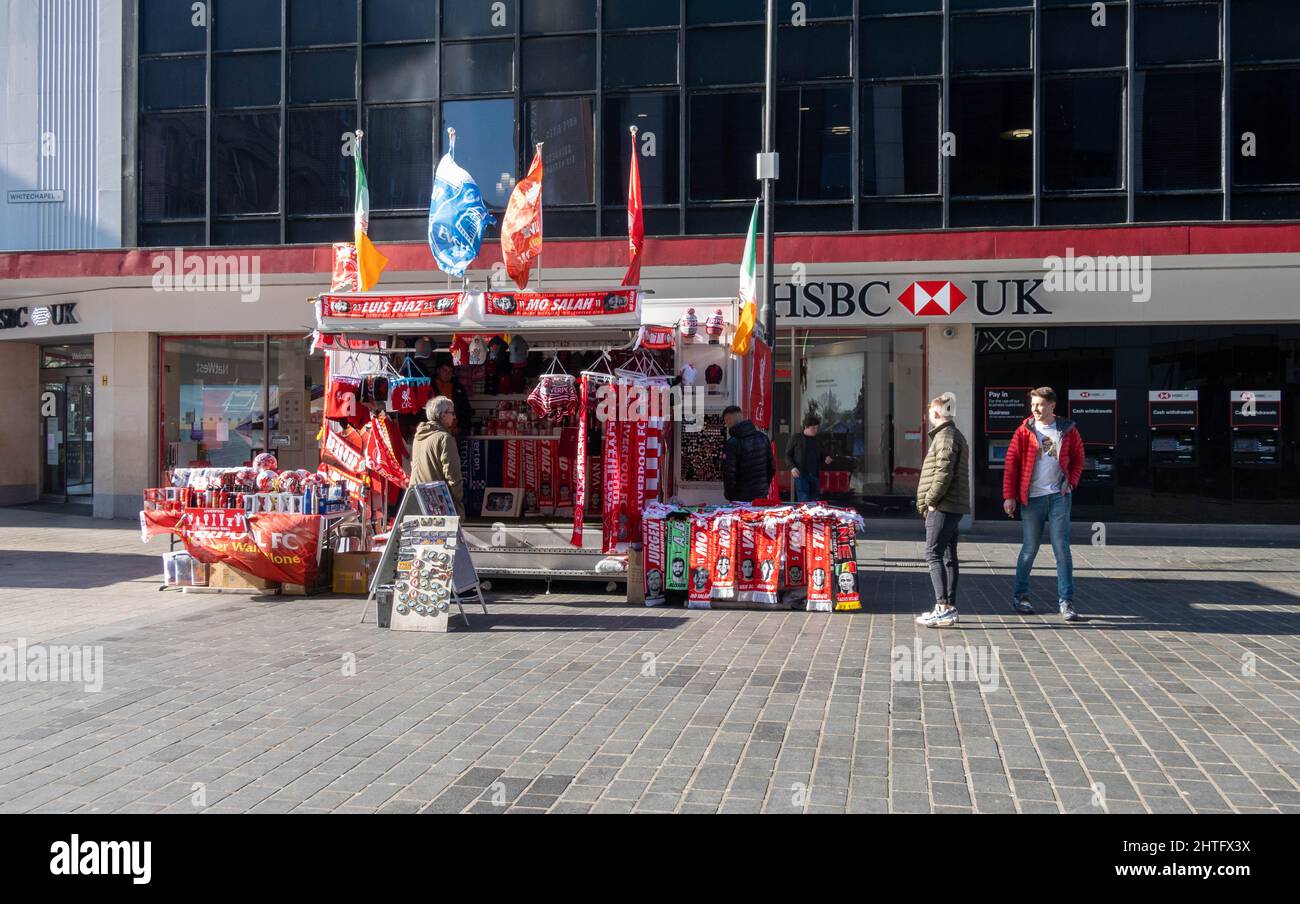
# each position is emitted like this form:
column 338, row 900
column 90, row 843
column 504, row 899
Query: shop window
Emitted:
column 725, row 134
column 410, row 20
column 167, row 26
column 637, row 60
column 992, row 120
column 906, row 47
column 245, row 24
column 474, row 18
column 724, row 56
column 1083, row 121
column 246, row 155
column 566, row 125
column 320, row 178
column 480, row 126
column 399, row 168
column 478, row 67
column 173, row 166
column 1177, row 142
column 988, row 43
column 656, row 119
column 1076, row 38
column 639, row 14
column 559, row 64
column 816, row 146
column 1256, row 35
column 1266, row 103
column 400, row 73
column 710, row 12
column 900, row 140
column 322, row 75
column 246, row 80
column 812, row 52
column 173, row 83
column 1184, row 33
column 554, row 16
column 313, row 22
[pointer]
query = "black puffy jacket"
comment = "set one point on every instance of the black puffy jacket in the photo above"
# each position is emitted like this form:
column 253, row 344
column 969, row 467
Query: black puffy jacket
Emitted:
column 748, row 465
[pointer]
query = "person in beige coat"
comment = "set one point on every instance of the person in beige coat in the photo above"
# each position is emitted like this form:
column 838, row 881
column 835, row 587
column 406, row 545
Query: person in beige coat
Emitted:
column 942, row 497
column 434, row 454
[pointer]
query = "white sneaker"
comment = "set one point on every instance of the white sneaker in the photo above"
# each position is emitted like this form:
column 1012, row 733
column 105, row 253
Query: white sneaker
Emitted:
column 940, row 616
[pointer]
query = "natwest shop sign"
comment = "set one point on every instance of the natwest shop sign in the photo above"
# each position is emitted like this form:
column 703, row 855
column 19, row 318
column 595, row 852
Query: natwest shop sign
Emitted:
column 43, row 315
column 964, row 300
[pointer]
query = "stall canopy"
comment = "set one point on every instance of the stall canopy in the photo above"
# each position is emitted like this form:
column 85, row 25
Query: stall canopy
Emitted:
column 425, row 313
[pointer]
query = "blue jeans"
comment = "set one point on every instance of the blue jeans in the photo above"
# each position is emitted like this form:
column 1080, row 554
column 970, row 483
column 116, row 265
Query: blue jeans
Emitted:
column 1054, row 511
column 807, row 487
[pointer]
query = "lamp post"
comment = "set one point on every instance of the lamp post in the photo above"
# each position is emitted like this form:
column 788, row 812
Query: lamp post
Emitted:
column 769, row 171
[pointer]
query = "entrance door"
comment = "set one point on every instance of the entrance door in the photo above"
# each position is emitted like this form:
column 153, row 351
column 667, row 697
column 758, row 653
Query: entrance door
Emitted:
column 67, row 437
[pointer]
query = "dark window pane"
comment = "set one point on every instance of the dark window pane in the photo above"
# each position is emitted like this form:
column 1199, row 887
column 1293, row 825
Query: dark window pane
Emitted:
column 1256, row 35
column 1178, row 130
column 551, row 16
column 825, row 9
column 559, row 64
column 567, row 126
column 1084, row 123
column 246, row 163
column 399, row 161
column 993, row 122
column 792, row 218
column 880, row 7
column 400, row 229
column 246, row 80
column 1177, row 34
column 640, row 14
column 1267, row 206
column 171, row 235
column 1078, row 38
column 320, row 178
column 900, row 140
column 816, row 144
column 474, row 18
column 724, row 56
column 814, row 52
column 320, row 232
column 1072, row 211
column 965, row 5
column 991, row 42
column 244, row 24
column 706, row 12
column 167, row 26
column 661, row 221
column 485, row 145
column 254, row 232
column 655, row 116
column 634, row 60
column 322, row 22
column 1177, row 208
column 990, row 213
column 172, row 83
column 901, row 215
column 480, row 67
column 407, row 20
column 400, row 73
column 719, row 220
column 726, row 133
column 902, row 47
column 173, row 166
column 322, row 75
column 577, row 224
column 1266, row 103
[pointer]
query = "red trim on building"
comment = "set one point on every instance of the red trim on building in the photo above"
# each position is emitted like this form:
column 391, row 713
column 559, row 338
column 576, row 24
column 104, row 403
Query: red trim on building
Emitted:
column 991, row 244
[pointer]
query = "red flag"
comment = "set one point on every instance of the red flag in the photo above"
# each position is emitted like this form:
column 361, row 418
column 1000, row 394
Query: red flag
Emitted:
column 635, row 220
column 758, row 393
column 521, row 228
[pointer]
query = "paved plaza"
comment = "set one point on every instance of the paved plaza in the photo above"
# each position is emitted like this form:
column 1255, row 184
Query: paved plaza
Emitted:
column 1177, row 693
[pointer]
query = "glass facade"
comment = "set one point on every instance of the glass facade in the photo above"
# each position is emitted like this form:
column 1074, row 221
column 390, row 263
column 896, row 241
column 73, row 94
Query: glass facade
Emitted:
column 892, row 114
column 1197, row 458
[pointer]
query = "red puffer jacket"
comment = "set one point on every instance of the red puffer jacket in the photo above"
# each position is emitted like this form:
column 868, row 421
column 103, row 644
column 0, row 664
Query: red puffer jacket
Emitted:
column 1023, row 453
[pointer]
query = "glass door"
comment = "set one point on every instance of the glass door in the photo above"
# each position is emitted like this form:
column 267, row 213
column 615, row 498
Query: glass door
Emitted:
column 67, row 437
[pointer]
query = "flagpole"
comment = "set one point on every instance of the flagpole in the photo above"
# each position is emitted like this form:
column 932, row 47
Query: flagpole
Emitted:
column 769, row 171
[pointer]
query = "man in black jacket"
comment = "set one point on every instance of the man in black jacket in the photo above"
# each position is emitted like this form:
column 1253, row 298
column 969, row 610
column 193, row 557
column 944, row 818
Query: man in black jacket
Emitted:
column 748, row 464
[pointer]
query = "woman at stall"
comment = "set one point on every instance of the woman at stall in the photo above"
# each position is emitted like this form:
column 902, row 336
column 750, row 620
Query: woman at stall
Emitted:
column 434, row 455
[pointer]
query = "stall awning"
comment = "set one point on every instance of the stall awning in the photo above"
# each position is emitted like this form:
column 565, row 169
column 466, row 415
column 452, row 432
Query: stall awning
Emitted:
column 433, row 313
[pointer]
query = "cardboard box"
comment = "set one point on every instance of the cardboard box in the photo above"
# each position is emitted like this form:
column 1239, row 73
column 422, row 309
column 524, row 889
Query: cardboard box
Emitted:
column 353, row 570
column 226, row 577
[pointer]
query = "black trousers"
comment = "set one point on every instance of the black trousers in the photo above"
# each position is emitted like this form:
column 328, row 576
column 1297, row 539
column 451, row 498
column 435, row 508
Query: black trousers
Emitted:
column 941, row 554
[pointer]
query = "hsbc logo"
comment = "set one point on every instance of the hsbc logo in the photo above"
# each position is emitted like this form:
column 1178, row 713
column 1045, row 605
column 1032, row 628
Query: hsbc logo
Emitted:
column 52, row 315
column 932, row 299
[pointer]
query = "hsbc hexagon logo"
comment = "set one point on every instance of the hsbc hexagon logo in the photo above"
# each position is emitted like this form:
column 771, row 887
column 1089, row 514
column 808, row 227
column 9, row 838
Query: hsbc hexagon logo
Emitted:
column 932, row 299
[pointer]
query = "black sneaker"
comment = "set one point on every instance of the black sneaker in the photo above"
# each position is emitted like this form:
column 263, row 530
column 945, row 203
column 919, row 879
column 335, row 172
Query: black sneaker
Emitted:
column 1067, row 611
column 1021, row 605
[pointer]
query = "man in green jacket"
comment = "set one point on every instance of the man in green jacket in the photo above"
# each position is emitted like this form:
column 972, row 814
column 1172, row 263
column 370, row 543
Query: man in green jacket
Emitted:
column 942, row 497
column 434, row 454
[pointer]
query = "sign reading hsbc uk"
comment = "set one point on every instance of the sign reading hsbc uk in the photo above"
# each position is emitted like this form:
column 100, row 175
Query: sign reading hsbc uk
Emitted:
column 922, row 299
column 52, row 315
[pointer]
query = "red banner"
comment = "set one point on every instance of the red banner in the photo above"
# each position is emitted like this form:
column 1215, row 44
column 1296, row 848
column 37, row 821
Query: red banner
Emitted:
column 270, row 546
column 758, row 393
column 521, row 228
column 345, row 451
column 703, row 551
column 561, row 304
column 580, row 468
column 614, row 516
column 634, row 497
column 391, row 307
column 156, row 522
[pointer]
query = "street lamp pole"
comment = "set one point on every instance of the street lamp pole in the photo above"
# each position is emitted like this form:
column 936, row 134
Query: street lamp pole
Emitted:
column 769, row 171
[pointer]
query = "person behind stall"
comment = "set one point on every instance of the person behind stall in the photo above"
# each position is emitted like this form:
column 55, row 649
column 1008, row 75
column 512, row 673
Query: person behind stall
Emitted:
column 805, row 459
column 434, row 455
column 748, row 464
column 445, row 384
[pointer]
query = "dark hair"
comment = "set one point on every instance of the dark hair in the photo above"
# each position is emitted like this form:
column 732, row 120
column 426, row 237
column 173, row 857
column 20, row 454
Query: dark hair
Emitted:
column 1046, row 393
column 812, row 420
column 731, row 409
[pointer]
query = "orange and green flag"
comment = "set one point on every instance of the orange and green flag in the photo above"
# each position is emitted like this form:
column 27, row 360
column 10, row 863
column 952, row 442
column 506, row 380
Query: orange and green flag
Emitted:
column 370, row 262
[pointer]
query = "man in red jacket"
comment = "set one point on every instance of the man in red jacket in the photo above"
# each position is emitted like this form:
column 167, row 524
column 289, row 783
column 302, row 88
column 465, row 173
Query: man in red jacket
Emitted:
column 1044, row 464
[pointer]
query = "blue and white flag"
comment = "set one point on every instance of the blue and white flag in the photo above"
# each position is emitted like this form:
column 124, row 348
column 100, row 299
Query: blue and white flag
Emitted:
column 457, row 215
